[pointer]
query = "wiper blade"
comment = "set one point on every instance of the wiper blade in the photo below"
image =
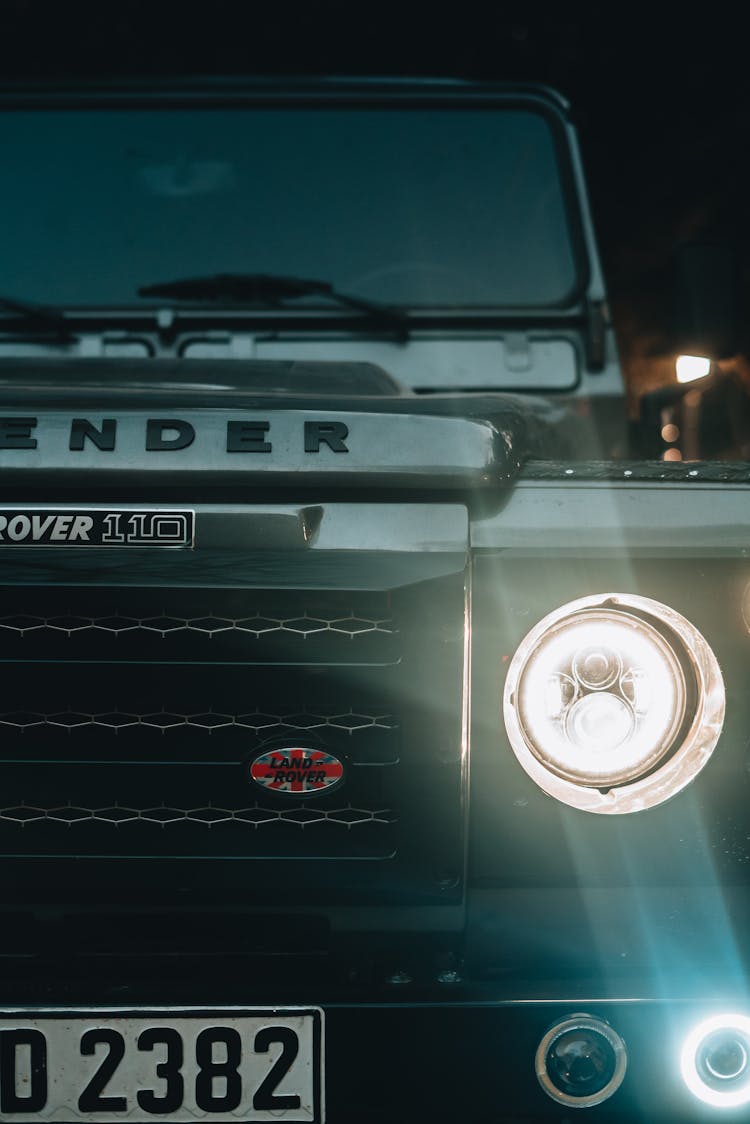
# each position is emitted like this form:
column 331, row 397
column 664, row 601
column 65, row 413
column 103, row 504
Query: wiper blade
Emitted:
column 272, row 289
column 39, row 319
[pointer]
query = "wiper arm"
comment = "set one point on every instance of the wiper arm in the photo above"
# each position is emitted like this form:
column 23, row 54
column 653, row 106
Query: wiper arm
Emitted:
column 39, row 319
column 270, row 289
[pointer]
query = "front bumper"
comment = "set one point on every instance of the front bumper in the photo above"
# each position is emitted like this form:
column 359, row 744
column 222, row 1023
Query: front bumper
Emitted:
column 401, row 1052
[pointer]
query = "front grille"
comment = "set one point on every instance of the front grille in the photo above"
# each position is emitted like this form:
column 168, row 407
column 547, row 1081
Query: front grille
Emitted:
column 130, row 717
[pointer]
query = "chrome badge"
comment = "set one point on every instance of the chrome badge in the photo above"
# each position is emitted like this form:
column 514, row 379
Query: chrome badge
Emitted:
column 297, row 771
column 81, row 527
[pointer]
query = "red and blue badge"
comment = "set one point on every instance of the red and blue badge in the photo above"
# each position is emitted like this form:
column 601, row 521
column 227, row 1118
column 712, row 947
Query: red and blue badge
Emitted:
column 296, row 771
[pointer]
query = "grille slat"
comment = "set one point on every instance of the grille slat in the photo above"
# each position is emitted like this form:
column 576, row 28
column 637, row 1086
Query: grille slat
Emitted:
column 257, row 625
column 251, row 832
column 349, row 722
column 209, row 815
column 186, row 625
column 361, row 735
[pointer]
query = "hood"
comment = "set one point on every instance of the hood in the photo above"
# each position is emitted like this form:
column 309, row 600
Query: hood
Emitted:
column 259, row 424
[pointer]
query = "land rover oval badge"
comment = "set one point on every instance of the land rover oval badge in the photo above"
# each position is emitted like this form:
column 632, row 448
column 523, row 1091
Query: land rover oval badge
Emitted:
column 297, row 771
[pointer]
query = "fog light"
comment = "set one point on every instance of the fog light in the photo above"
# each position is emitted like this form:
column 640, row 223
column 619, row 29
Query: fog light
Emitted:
column 715, row 1061
column 613, row 703
column 581, row 1061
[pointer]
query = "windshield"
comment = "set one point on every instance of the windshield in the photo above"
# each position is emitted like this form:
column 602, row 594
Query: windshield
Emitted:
column 419, row 207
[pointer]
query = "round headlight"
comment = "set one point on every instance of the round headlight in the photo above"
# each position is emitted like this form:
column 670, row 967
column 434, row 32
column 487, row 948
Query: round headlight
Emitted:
column 613, row 703
column 715, row 1061
column 581, row 1061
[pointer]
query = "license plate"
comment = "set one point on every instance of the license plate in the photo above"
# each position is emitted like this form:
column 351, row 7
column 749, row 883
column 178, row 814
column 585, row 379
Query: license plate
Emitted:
column 219, row 1065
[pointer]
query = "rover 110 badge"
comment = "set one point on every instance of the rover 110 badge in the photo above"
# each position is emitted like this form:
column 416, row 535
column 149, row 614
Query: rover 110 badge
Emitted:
column 81, row 527
column 297, row 771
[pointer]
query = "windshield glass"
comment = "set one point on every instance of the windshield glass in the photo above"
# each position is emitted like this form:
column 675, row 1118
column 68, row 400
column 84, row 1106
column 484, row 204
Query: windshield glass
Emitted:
column 420, row 207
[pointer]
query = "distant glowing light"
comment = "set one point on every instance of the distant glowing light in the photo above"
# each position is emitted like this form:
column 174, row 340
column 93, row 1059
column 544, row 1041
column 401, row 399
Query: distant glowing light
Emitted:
column 692, row 367
column 746, row 606
column 715, row 1061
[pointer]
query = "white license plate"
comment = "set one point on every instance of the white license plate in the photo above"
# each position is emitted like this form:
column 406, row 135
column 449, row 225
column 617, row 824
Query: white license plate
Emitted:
column 187, row 1064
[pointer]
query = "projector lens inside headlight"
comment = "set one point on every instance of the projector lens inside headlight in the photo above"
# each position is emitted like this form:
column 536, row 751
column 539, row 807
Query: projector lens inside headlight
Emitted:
column 601, row 698
column 607, row 692
column 581, row 1061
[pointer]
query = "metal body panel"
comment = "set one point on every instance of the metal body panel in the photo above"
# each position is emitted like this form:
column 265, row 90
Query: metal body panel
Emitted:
column 401, row 528
column 365, row 450
column 447, row 1059
column 572, row 515
column 326, row 545
column 515, row 361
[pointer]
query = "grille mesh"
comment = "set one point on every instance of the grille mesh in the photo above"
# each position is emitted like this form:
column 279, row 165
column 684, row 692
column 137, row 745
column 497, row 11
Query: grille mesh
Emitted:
column 348, row 723
column 209, row 815
column 21, row 624
column 196, row 625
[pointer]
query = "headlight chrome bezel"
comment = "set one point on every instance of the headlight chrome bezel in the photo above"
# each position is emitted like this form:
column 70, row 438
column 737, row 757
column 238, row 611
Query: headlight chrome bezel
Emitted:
column 679, row 762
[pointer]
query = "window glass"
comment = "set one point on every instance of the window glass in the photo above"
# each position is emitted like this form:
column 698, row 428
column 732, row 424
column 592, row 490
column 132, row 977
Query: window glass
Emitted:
column 422, row 207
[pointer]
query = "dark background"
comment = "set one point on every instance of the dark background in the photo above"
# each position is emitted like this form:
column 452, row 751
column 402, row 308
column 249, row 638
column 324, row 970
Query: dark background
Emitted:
column 661, row 101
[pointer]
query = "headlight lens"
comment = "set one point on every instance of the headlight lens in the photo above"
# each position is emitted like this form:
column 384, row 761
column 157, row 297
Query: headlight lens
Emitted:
column 601, row 697
column 581, row 1061
column 613, row 702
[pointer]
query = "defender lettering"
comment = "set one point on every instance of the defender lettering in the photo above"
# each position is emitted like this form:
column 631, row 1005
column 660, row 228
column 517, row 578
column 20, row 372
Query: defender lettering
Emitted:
column 163, row 435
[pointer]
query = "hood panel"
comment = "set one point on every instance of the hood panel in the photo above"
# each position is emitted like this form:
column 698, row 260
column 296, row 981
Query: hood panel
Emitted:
column 262, row 449
column 163, row 379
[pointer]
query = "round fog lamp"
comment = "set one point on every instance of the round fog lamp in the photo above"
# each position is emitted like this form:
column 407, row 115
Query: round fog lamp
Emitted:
column 715, row 1061
column 613, row 703
column 581, row 1061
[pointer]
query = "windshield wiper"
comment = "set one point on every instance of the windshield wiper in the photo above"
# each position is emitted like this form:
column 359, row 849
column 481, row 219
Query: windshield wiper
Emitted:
column 270, row 289
column 39, row 319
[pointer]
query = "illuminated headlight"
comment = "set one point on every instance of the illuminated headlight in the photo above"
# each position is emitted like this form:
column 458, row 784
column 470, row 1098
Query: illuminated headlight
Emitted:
column 613, row 703
column 715, row 1061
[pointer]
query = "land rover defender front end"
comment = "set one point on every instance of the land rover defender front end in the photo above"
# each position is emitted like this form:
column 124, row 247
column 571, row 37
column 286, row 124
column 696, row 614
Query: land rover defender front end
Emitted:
column 322, row 589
